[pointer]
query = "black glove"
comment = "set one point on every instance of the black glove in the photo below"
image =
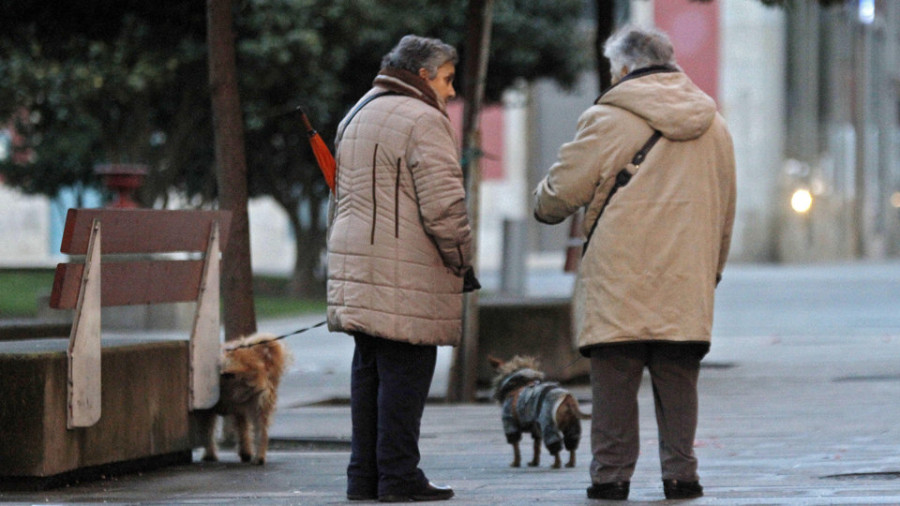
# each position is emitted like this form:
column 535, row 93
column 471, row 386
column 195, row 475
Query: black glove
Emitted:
column 470, row 282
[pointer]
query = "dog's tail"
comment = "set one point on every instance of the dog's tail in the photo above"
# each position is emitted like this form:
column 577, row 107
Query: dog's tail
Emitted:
column 576, row 408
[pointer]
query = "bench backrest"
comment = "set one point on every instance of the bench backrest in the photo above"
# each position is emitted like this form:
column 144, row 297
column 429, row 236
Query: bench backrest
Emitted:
column 128, row 260
column 138, row 232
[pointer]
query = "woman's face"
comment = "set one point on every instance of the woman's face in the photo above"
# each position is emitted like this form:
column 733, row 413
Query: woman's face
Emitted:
column 617, row 76
column 442, row 84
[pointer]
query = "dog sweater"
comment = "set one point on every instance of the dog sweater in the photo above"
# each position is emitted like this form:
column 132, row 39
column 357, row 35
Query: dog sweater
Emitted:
column 534, row 410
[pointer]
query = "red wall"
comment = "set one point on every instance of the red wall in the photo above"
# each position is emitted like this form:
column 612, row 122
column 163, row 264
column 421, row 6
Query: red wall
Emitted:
column 491, row 124
column 694, row 30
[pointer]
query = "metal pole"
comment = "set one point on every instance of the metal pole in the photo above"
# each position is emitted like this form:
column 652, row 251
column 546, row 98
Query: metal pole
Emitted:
column 512, row 270
column 860, row 91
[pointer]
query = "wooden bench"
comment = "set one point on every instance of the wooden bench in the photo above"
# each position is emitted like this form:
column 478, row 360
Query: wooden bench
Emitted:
column 73, row 404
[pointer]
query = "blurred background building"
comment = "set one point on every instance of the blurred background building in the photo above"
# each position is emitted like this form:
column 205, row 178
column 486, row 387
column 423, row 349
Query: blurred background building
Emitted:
column 811, row 97
column 810, row 94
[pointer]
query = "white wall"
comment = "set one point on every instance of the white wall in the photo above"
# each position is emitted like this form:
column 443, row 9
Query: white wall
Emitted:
column 751, row 97
column 506, row 198
column 272, row 247
column 24, row 230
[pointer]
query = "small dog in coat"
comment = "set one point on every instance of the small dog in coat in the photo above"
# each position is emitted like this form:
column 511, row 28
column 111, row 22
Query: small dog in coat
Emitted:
column 251, row 371
column 545, row 409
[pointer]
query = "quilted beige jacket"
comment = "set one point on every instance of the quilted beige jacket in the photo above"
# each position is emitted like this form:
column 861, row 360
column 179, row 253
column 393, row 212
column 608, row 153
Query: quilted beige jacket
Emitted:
column 399, row 239
column 652, row 264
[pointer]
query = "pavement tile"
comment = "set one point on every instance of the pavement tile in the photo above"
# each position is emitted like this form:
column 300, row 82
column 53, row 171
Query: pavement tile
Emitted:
column 799, row 405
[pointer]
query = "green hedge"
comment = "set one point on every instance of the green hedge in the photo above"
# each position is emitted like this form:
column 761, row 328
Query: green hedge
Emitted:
column 20, row 289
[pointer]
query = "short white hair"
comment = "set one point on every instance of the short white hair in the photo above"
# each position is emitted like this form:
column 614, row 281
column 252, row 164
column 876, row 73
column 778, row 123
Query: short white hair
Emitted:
column 413, row 53
column 636, row 48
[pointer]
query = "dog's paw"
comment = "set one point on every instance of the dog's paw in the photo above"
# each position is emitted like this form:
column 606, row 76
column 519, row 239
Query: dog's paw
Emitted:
column 258, row 462
column 556, row 465
column 533, row 464
column 245, row 457
column 570, row 464
column 515, row 464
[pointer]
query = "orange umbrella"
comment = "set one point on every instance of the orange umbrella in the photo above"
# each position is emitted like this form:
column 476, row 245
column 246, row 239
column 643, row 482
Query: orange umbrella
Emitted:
column 323, row 155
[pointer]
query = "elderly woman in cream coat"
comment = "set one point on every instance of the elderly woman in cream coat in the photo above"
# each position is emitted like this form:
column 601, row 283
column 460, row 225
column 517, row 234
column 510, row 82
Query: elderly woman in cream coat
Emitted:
column 653, row 257
column 399, row 258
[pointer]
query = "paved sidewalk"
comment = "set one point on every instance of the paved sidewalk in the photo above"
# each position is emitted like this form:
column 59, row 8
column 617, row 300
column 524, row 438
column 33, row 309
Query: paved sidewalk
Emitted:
column 799, row 405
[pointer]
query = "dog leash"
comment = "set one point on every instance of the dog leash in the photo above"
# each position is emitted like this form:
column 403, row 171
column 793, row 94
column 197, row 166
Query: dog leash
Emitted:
column 570, row 364
column 278, row 338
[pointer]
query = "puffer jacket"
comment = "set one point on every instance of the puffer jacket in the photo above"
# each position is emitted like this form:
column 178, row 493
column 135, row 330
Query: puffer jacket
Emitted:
column 399, row 240
column 652, row 264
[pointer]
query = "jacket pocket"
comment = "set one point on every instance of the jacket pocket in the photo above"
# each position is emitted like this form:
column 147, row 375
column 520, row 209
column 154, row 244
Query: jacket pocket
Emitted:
column 374, row 194
column 397, row 201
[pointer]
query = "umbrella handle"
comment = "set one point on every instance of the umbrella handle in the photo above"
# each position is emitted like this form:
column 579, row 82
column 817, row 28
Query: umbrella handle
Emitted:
column 309, row 128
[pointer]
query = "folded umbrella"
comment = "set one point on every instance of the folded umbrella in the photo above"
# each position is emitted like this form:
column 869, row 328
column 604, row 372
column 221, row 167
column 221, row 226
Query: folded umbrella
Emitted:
column 323, row 155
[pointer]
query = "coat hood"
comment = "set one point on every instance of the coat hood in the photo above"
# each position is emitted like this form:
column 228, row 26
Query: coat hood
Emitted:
column 667, row 100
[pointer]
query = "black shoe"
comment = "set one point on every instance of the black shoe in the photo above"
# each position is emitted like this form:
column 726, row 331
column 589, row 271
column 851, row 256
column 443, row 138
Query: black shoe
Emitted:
column 362, row 497
column 614, row 490
column 431, row 492
column 677, row 489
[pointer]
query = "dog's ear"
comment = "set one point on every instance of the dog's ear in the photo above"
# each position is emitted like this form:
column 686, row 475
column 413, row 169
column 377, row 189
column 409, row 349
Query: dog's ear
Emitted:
column 495, row 362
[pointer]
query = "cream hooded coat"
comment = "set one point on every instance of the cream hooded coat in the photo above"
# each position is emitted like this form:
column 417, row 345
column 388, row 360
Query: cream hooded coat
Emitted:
column 651, row 267
column 399, row 239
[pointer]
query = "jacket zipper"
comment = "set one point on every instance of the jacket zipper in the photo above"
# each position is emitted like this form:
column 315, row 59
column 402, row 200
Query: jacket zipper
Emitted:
column 374, row 203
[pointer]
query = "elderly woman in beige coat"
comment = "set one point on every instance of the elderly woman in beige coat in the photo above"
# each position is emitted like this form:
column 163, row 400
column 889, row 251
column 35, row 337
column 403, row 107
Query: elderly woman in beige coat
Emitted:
column 655, row 252
column 399, row 258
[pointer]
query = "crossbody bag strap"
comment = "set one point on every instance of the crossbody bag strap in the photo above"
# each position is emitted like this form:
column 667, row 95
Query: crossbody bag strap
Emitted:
column 356, row 110
column 623, row 177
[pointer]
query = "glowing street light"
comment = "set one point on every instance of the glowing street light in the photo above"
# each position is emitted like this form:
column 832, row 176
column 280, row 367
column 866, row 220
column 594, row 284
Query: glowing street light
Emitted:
column 867, row 11
column 801, row 201
column 895, row 200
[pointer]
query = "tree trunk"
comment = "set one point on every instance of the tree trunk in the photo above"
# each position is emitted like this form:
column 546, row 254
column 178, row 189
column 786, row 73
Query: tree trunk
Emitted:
column 606, row 12
column 310, row 242
column 478, row 35
column 231, row 170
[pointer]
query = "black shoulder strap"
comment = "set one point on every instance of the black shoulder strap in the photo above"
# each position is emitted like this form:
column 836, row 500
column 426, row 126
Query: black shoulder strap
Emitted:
column 640, row 155
column 360, row 106
column 623, row 177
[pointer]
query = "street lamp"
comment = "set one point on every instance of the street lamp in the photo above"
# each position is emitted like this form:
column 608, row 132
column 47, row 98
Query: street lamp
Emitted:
column 895, row 200
column 867, row 11
column 801, row 201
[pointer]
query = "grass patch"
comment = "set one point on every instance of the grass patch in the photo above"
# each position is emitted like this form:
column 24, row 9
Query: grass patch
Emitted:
column 20, row 289
column 270, row 306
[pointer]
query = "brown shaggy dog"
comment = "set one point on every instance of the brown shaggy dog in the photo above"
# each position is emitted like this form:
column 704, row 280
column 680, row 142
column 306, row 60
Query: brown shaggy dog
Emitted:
column 544, row 409
column 251, row 371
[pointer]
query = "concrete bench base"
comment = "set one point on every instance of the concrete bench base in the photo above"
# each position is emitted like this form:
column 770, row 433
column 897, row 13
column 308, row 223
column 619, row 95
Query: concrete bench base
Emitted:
column 87, row 474
column 536, row 326
column 144, row 411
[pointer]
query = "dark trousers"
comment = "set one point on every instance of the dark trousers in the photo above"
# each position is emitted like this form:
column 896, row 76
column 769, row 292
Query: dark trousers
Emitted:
column 616, row 373
column 388, row 388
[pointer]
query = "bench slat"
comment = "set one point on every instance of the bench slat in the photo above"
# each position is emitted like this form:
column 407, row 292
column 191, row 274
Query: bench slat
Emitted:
column 143, row 230
column 131, row 283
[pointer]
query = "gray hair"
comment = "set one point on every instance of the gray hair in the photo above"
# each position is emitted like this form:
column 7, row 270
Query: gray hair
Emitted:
column 638, row 48
column 413, row 53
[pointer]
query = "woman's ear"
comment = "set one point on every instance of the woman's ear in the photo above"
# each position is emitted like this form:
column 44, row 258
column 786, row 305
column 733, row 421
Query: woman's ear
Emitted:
column 423, row 73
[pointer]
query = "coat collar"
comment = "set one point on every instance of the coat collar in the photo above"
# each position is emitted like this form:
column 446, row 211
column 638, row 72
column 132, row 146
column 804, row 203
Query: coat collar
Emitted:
column 407, row 83
column 646, row 71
